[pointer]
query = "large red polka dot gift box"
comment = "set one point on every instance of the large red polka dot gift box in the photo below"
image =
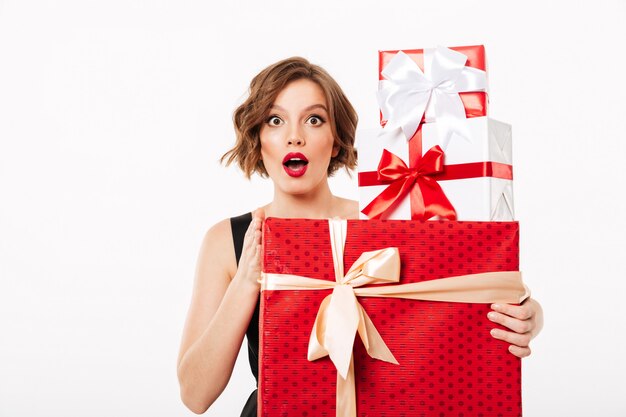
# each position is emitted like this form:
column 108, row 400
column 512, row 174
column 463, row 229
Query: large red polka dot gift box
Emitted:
column 387, row 318
column 438, row 155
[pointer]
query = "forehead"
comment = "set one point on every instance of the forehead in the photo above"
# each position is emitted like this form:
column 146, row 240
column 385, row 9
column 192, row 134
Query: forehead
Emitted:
column 300, row 94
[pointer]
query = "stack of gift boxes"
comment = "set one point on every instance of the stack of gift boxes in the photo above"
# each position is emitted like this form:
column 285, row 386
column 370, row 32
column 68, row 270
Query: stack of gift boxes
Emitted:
column 387, row 316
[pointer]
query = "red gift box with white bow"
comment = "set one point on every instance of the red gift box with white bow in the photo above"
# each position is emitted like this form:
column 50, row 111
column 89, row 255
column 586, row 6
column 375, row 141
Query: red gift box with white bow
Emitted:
column 427, row 84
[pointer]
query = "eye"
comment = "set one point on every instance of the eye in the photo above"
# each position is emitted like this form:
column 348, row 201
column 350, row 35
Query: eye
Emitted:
column 315, row 120
column 274, row 121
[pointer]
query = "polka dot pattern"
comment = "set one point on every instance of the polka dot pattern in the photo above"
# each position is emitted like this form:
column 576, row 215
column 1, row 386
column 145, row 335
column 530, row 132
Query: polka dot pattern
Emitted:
column 449, row 363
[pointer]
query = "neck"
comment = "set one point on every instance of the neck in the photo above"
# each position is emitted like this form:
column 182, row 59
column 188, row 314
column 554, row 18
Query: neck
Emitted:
column 319, row 204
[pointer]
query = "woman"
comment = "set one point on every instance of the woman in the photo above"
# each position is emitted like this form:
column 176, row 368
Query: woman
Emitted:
column 297, row 127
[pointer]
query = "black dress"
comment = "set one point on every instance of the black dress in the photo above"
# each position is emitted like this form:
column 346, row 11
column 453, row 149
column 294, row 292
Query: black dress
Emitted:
column 239, row 225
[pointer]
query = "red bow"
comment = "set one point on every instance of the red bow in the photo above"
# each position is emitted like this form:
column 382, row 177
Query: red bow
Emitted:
column 427, row 199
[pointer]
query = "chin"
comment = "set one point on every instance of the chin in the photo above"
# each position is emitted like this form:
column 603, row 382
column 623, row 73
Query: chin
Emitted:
column 298, row 190
column 299, row 187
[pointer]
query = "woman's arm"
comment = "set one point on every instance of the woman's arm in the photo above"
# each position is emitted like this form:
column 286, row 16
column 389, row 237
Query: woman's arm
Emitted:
column 219, row 314
column 525, row 321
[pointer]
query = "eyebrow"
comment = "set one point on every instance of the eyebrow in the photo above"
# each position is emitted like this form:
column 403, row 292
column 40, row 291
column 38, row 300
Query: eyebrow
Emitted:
column 311, row 107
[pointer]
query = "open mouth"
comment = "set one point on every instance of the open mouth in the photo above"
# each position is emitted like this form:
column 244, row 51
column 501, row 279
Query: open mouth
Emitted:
column 295, row 164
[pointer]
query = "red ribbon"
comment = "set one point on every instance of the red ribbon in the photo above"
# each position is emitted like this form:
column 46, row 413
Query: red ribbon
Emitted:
column 428, row 199
column 425, row 199
column 452, row 172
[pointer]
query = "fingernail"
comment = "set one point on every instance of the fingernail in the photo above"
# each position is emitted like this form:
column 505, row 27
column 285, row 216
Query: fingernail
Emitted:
column 494, row 332
column 491, row 315
column 495, row 306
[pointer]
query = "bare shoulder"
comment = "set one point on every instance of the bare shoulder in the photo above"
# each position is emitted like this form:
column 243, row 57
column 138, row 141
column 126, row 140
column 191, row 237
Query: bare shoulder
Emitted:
column 217, row 250
column 347, row 209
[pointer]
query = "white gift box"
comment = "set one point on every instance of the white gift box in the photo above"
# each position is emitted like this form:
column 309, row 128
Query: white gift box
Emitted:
column 475, row 199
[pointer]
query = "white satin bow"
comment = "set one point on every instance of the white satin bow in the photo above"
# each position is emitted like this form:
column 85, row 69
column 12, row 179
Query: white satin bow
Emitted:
column 407, row 93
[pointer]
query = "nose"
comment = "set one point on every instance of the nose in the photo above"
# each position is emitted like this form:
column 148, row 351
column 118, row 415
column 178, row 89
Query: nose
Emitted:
column 296, row 137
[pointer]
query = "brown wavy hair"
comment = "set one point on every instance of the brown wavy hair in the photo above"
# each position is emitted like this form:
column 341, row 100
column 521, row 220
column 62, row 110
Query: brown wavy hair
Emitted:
column 264, row 88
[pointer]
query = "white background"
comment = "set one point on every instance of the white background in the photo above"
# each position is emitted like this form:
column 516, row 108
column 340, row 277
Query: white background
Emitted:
column 113, row 115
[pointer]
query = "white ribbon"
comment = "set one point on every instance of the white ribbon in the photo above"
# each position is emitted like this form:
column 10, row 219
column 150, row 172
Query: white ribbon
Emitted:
column 407, row 93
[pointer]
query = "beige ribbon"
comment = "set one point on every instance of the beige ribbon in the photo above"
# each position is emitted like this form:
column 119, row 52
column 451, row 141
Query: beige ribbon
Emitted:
column 341, row 316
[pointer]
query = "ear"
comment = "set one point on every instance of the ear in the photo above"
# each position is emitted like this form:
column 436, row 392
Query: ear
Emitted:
column 335, row 151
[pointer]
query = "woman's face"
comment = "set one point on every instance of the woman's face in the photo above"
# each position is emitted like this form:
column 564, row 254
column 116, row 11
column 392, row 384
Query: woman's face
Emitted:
column 296, row 138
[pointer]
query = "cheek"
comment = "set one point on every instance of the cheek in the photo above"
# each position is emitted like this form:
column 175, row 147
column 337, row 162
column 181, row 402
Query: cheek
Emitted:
column 266, row 146
column 265, row 155
column 324, row 139
column 269, row 155
column 270, row 138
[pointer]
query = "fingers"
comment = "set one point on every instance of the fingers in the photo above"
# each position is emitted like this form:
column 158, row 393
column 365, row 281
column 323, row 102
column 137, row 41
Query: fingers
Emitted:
column 256, row 259
column 520, row 320
column 252, row 236
column 255, row 245
column 518, row 326
column 520, row 352
column 249, row 269
column 516, row 339
column 522, row 312
column 256, row 238
column 259, row 213
column 255, row 225
column 252, row 243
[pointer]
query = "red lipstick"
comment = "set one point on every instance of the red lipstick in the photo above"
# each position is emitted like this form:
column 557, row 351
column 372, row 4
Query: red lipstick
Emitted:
column 295, row 164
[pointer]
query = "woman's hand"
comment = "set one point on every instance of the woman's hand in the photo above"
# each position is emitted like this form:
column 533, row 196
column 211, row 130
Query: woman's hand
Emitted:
column 222, row 304
column 249, row 269
column 525, row 321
